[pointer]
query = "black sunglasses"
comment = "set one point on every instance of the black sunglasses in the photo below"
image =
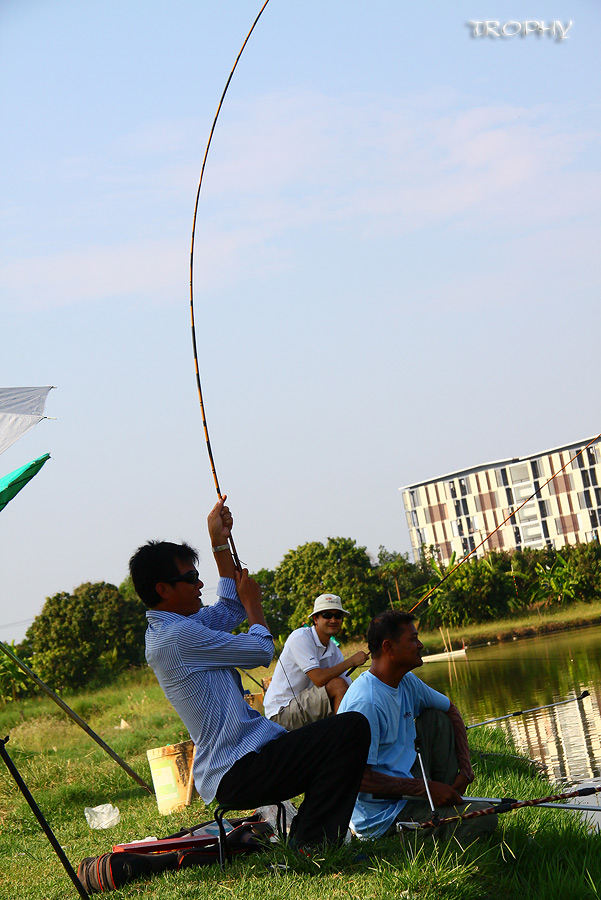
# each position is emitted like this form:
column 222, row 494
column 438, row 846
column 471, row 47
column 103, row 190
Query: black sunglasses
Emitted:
column 190, row 577
column 330, row 614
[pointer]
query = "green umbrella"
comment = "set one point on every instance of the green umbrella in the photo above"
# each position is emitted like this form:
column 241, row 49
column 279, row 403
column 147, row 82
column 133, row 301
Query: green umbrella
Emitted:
column 11, row 484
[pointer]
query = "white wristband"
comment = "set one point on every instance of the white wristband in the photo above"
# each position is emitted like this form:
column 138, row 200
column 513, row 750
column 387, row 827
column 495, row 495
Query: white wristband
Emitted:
column 221, row 547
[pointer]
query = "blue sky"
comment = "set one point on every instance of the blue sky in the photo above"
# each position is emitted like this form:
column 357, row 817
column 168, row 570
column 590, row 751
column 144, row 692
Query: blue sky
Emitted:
column 396, row 266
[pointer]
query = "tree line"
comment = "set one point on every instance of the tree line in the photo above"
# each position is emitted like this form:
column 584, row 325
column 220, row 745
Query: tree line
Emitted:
column 87, row 636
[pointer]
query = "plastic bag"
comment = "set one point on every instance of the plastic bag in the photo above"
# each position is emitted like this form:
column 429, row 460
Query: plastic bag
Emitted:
column 104, row 816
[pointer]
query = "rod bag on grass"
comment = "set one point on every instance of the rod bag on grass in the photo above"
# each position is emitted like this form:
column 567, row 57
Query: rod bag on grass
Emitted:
column 100, row 874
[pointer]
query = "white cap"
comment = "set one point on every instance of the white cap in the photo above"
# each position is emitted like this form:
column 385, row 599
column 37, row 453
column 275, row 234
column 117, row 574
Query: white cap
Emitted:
column 328, row 601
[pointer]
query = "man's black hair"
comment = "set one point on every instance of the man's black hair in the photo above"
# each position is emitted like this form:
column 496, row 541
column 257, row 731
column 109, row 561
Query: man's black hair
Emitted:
column 157, row 561
column 387, row 625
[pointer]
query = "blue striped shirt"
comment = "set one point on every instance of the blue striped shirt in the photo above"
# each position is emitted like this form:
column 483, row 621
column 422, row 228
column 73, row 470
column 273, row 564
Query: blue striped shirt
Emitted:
column 193, row 658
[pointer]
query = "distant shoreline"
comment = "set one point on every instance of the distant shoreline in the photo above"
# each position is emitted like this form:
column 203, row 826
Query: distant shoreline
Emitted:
column 582, row 615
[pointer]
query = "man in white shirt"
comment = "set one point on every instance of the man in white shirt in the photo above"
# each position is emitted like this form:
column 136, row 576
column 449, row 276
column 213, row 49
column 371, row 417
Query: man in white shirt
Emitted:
column 309, row 680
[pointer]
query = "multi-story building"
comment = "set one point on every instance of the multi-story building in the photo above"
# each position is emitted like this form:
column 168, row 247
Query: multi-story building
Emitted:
column 457, row 511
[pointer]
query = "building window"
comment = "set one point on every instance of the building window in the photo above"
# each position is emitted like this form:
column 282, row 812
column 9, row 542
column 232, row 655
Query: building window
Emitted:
column 545, row 530
column 584, row 499
column 578, row 462
column 593, row 476
column 591, row 536
column 593, row 455
column 509, row 494
column 528, row 513
column 594, row 518
column 414, row 519
column 522, row 492
column 517, row 536
column 451, row 491
column 531, row 533
column 457, row 528
column 519, row 473
column 598, row 496
column 457, row 508
column 464, row 486
column 472, row 524
column 543, row 508
column 414, row 497
column 586, row 481
column 502, row 479
column 536, row 468
column 464, row 507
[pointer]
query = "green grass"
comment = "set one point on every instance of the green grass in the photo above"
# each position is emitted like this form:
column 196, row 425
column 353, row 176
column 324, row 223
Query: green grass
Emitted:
column 534, row 854
column 558, row 619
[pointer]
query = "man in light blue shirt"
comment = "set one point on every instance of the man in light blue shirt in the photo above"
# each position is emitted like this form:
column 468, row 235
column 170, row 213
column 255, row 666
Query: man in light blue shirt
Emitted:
column 391, row 697
column 241, row 758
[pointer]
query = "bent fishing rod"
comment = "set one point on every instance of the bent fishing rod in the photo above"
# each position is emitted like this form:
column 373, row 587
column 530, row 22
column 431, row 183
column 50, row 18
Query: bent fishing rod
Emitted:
column 192, row 320
column 194, row 347
column 522, row 712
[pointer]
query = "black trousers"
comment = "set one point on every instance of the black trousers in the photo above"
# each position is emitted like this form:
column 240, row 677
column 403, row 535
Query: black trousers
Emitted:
column 324, row 760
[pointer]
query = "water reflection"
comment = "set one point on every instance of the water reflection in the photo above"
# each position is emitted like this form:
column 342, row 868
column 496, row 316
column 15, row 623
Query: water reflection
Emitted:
column 496, row 680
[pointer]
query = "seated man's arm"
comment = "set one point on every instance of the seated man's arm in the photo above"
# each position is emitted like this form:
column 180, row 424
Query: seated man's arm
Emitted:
column 377, row 783
column 466, row 773
column 249, row 593
column 321, row 677
column 220, row 523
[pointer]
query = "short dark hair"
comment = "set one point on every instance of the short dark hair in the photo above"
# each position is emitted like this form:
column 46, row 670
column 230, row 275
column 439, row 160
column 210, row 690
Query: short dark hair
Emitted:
column 387, row 625
column 157, row 561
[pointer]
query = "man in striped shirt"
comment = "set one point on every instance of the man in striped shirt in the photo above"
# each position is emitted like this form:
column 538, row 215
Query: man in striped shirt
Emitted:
column 242, row 758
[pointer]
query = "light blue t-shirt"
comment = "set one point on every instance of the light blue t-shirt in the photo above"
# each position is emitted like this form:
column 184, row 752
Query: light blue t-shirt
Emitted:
column 391, row 713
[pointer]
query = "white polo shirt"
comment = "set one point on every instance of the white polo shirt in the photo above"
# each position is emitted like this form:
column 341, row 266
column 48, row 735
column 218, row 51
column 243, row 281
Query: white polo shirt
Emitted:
column 302, row 652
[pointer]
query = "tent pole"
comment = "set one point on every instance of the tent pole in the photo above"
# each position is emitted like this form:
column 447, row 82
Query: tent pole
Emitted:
column 73, row 715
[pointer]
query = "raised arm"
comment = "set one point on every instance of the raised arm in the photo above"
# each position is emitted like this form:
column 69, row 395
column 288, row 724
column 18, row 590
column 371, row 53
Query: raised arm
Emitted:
column 249, row 593
column 220, row 522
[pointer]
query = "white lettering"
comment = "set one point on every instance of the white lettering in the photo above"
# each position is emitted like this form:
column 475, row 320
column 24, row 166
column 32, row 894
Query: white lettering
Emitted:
column 492, row 28
column 511, row 33
column 476, row 32
column 564, row 31
column 550, row 28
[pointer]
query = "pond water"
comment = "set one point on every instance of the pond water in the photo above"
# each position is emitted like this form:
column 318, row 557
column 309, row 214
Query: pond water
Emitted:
column 499, row 679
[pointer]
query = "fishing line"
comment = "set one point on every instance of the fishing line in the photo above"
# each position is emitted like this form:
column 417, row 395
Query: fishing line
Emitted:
column 505, row 520
column 194, row 347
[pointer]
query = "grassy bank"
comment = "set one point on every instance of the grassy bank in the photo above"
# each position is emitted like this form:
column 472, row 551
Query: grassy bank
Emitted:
column 535, row 853
column 578, row 615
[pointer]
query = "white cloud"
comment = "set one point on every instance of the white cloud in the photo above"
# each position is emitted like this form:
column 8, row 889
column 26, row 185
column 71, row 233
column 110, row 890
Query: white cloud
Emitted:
column 369, row 167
